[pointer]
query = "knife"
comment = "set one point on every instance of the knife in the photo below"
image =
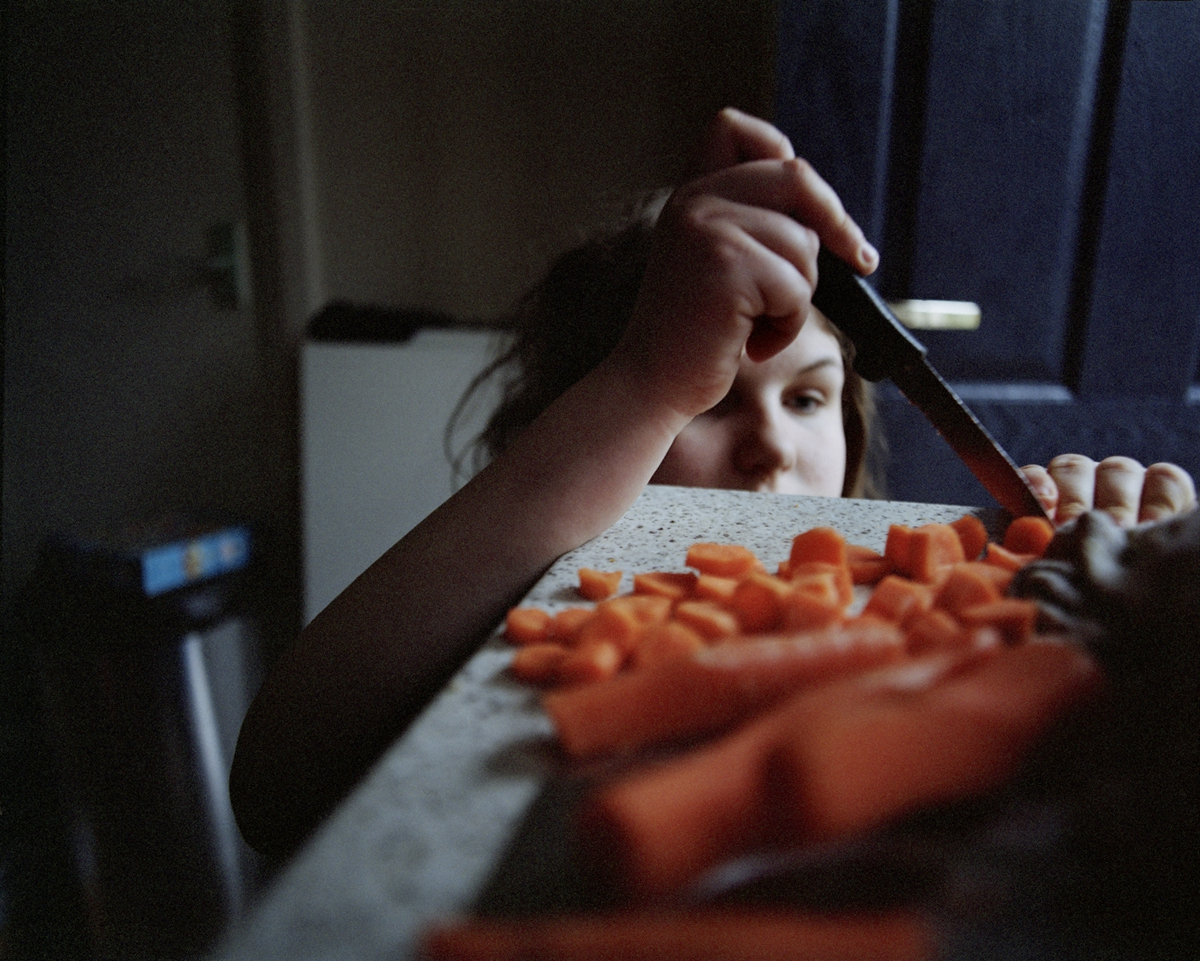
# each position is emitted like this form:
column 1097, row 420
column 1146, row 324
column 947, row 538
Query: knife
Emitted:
column 883, row 347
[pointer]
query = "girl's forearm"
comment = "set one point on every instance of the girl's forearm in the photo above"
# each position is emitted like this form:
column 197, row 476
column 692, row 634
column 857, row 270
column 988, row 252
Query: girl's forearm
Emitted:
column 367, row 664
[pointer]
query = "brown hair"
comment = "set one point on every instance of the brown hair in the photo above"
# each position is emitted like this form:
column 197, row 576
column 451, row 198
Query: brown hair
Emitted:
column 568, row 323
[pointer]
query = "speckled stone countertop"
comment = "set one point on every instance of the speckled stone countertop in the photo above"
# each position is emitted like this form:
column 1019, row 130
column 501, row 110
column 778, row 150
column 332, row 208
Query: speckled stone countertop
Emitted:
column 422, row 836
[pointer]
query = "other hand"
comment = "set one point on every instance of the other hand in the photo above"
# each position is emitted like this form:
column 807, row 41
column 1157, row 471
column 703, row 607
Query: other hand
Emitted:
column 1131, row 494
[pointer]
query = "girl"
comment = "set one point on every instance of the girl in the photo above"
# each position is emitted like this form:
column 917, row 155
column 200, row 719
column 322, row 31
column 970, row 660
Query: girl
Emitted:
column 717, row 375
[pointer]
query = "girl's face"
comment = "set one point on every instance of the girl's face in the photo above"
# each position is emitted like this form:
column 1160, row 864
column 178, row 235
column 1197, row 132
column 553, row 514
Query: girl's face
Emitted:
column 778, row 429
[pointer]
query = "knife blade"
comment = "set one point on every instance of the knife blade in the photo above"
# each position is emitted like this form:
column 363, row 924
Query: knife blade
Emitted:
column 883, row 347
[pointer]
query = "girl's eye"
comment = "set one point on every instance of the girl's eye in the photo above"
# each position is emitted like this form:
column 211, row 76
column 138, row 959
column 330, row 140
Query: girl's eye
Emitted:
column 803, row 403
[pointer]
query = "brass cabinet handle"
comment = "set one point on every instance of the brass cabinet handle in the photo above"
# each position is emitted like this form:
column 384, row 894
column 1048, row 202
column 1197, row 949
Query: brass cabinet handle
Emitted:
column 936, row 314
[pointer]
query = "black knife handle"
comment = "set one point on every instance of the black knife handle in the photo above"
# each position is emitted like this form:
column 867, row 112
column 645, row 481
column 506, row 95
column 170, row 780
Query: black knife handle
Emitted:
column 881, row 342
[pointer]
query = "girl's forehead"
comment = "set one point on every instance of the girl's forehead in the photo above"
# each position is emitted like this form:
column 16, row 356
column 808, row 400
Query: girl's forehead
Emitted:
column 815, row 348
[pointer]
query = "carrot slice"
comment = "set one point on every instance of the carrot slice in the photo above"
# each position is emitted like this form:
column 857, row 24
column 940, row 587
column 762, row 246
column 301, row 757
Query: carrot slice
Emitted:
column 707, row 618
column 823, row 544
column 898, row 547
column 663, row 642
column 743, row 934
column 721, row 685
column 931, row 549
column 538, row 663
column 659, row 828
column 1015, row 618
column 723, row 560
column 967, row 584
column 710, row 587
column 999, row 556
column 972, row 534
column 526, row 625
column 564, row 626
column 675, row 585
column 851, row 761
column 757, row 602
column 898, row 599
column 820, row 577
column 620, row 620
column 590, row 662
column 598, row 585
column 1029, row 535
column 935, row 630
column 865, row 565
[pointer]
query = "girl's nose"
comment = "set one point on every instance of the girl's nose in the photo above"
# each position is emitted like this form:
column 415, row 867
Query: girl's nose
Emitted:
column 762, row 452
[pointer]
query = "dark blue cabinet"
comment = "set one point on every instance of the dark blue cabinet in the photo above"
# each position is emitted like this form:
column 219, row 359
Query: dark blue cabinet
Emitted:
column 1041, row 159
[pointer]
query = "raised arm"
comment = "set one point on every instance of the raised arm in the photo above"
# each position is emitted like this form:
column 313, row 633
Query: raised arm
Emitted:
column 732, row 269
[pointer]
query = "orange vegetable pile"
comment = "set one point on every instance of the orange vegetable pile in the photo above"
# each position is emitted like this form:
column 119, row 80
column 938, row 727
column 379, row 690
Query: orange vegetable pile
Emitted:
column 800, row 714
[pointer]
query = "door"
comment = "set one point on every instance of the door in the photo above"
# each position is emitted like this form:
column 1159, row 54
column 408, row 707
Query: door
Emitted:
column 1039, row 160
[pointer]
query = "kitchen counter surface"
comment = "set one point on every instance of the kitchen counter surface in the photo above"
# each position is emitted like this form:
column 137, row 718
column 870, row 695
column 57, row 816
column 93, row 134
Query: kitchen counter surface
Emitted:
column 432, row 830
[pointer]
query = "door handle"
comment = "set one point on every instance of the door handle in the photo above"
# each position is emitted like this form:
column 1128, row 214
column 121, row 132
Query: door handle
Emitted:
column 936, row 314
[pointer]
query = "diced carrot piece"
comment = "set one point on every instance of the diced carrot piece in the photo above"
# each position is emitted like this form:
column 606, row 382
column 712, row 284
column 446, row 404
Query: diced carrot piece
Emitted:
column 707, row 618
column 851, row 761
column 620, row 620
column 720, row 686
column 590, row 662
column 538, row 663
column 743, row 934
column 972, row 534
column 805, row 610
column 710, row 587
column 1015, row 618
column 866, row 566
column 966, row 584
column 658, row 829
column 675, row 585
column 897, row 599
column 1029, row 535
column 935, row 630
column 564, row 626
column 758, row 602
column 723, row 560
column 932, row 548
column 598, row 585
column 823, row 544
column 898, row 547
column 663, row 642
column 526, row 625
column 1000, row 556
column 819, row 576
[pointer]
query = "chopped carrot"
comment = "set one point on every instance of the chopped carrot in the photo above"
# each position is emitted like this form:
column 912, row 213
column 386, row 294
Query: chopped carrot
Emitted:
column 817, row 575
column 1029, row 535
column 742, row 934
column 538, row 663
column 932, row 548
column 822, row 544
column 565, row 625
column 620, row 620
column 967, row 584
column 1015, row 618
column 710, row 587
column 598, row 585
column 526, row 625
column 935, row 630
column 999, row 556
column 758, row 602
column 849, row 762
column 722, row 560
column 865, row 565
column 721, row 685
column 897, row 599
column 806, row 610
column 972, row 534
column 707, row 618
column 675, row 585
column 897, row 547
column 662, row 642
column 590, row 662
